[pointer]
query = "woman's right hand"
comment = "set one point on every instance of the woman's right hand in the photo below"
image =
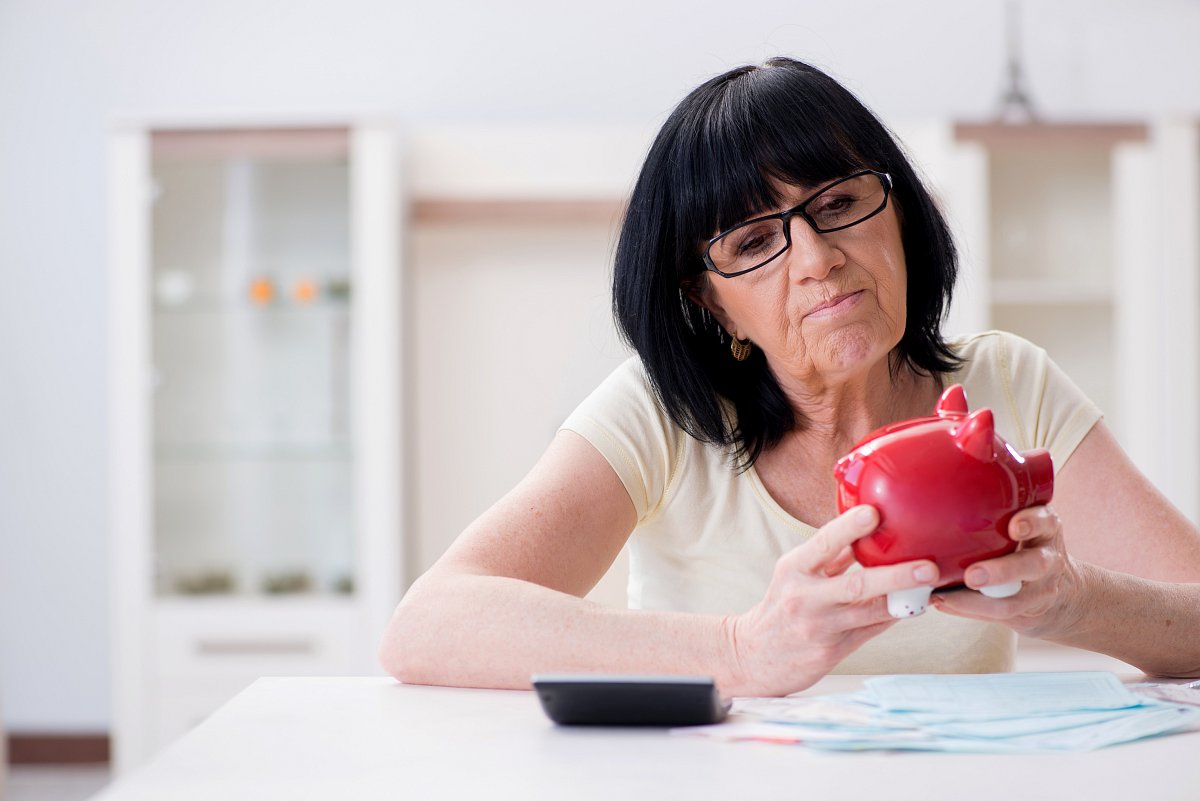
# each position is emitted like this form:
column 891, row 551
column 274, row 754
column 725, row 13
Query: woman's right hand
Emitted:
column 816, row 611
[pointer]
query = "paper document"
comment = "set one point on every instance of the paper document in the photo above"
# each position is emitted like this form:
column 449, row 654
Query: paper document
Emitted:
column 1175, row 693
column 1009, row 694
column 1003, row 712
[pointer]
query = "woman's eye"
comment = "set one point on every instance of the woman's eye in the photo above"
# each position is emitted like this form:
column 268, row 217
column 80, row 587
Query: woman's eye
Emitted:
column 755, row 242
column 751, row 244
column 832, row 205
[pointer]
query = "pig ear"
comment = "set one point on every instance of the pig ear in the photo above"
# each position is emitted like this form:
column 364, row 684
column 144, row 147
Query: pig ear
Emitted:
column 976, row 436
column 841, row 466
column 953, row 402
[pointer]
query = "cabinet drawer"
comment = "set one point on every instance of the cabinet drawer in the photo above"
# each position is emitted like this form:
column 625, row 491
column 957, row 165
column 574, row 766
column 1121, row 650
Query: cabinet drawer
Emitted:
column 252, row 640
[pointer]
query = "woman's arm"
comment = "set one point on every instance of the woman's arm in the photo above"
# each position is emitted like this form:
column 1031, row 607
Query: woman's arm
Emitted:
column 1113, row 568
column 505, row 600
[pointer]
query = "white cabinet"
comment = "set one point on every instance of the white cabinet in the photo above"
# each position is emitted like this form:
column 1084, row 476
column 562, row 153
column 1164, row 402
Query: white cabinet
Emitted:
column 255, row 408
column 1083, row 239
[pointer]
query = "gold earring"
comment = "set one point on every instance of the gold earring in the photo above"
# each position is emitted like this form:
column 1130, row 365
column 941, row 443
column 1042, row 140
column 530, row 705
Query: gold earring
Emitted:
column 740, row 348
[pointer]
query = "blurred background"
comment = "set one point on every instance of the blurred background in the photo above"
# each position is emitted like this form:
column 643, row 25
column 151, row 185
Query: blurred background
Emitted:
column 293, row 291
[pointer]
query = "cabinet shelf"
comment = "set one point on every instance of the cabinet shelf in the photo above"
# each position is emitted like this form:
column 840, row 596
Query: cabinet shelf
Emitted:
column 1048, row 292
column 1054, row 135
column 240, row 605
column 199, row 453
column 242, row 597
column 323, row 309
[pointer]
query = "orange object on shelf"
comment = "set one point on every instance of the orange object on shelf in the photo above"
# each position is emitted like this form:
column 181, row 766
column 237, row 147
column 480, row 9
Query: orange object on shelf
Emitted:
column 262, row 291
column 304, row 290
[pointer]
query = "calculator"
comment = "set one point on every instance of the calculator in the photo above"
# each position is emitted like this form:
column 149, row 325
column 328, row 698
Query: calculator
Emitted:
column 597, row 699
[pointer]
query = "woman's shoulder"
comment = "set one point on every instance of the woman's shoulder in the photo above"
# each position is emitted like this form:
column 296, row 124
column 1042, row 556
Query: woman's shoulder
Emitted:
column 993, row 346
column 997, row 373
column 623, row 419
column 995, row 358
column 627, row 384
column 1035, row 402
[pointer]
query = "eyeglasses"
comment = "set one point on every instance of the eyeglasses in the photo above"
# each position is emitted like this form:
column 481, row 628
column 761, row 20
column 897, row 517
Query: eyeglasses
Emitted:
column 841, row 204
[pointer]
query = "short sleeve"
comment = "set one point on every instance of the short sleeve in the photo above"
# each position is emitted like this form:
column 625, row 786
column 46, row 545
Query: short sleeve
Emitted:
column 623, row 420
column 1052, row 412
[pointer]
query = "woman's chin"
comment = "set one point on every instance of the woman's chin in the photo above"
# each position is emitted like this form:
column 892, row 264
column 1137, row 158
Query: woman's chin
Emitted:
column 852, row 349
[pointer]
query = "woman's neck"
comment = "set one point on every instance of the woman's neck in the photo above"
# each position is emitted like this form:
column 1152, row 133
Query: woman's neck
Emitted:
column 839, row 414
column 798, row 470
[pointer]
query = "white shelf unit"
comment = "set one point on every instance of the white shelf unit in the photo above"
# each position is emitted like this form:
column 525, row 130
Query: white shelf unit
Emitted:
column 1083, row 239
column 256, row 361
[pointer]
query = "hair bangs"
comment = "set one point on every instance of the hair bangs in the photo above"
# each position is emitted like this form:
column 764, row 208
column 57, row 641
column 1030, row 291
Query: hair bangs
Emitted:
column 758, row 132
column 804, row 135
column 718, row 179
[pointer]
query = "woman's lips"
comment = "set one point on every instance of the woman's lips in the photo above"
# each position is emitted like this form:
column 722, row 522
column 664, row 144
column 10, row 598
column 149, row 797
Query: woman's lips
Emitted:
column 836, row 305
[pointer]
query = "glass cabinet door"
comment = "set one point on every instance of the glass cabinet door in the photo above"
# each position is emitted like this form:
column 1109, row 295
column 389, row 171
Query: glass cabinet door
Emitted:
column 251, row 325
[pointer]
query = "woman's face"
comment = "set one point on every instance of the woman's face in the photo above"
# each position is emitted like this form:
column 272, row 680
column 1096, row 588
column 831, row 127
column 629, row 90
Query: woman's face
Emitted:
column 829, row 308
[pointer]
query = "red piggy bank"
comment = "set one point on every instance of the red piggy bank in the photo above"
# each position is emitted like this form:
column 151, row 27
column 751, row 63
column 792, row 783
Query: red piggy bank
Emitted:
column 946, row 487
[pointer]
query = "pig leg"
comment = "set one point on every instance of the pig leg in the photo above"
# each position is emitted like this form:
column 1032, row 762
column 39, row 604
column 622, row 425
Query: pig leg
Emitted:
column 1002, row 590
column 908, row 603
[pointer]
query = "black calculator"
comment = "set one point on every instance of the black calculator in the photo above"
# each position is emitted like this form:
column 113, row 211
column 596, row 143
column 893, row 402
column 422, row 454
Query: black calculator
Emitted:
column 597, row 699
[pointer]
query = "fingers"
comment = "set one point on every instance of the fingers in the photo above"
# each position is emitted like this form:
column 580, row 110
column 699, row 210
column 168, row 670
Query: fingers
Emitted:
column 846, row 619
column 828, row 555
column 1040, row 564
column 826, row 548
column 1033, row 523
column 1038, row 531
column 1026, row 565
column 856, row 586
column 838, row 565
column 860, row 636
column 977, row 606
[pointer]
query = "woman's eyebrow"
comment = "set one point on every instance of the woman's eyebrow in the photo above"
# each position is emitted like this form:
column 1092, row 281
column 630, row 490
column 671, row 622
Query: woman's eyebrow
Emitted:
column 789, row 200
column 789, row 195
column 792, row 194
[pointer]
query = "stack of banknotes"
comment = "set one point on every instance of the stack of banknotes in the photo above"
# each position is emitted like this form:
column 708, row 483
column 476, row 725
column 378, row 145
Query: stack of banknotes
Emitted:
column 999, row 712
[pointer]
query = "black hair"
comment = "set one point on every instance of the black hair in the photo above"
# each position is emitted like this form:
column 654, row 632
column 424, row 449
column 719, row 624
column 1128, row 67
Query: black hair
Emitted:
column 710, row 167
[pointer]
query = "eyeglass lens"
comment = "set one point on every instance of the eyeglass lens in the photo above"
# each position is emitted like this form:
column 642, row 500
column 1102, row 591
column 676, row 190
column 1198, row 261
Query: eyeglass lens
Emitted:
column 840, row 205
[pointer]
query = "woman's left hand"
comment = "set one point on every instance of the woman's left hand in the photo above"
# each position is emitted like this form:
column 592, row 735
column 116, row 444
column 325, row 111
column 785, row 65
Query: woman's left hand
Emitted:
column 1050, row 581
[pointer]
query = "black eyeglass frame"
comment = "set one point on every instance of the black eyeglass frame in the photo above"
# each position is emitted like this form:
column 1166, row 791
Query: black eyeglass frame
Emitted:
column 800, row 211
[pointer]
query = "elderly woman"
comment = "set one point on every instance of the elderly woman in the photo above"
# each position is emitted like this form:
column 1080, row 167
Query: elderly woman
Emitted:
column 782, row 274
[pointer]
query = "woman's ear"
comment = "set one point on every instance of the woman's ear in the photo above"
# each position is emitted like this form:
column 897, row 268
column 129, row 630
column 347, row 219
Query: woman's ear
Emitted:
column 699, row 291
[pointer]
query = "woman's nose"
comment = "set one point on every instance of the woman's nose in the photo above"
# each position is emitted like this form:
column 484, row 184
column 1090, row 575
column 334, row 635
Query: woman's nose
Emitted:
column 812, row 255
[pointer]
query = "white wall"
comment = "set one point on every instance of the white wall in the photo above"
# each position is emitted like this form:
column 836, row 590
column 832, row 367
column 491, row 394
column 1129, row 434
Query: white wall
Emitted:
column 68, row 68
column 482, row 323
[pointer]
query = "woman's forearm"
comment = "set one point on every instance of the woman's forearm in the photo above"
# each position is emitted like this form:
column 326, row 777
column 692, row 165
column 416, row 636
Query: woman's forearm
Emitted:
column 489, row 631
column 1152, row 625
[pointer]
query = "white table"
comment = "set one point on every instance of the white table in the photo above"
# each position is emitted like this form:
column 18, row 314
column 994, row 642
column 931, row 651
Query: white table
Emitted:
column 372, row 738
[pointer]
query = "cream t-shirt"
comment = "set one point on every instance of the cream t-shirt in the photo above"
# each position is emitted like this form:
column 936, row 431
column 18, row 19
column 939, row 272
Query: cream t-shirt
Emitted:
column 708, row 536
